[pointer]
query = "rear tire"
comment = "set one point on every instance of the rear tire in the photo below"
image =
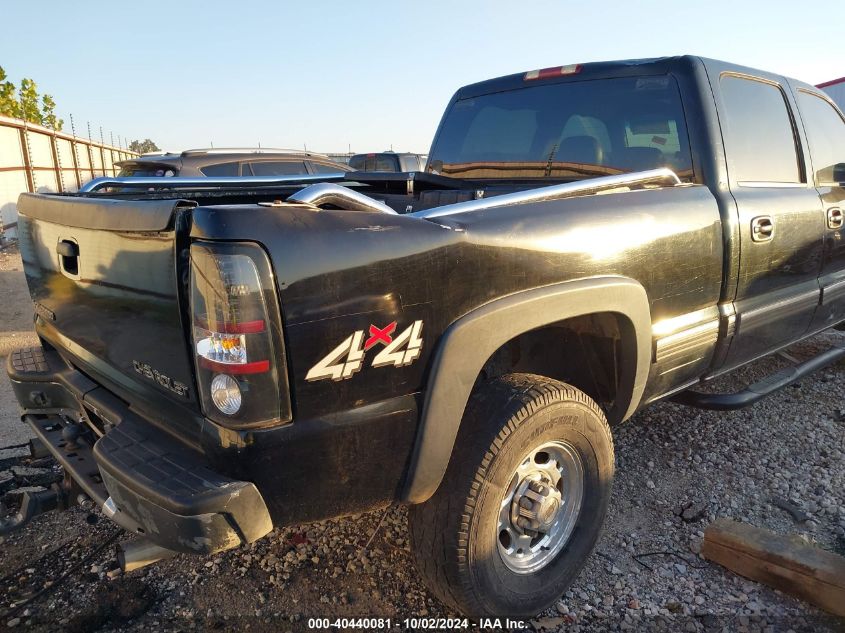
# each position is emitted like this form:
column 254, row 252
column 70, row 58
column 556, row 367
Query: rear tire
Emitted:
column 474, row 549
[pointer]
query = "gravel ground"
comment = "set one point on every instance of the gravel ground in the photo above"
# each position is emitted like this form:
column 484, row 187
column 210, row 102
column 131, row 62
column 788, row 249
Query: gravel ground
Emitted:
column 677, row 470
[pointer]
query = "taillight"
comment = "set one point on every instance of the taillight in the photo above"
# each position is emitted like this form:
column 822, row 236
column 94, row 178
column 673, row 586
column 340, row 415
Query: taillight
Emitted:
column 236, row 336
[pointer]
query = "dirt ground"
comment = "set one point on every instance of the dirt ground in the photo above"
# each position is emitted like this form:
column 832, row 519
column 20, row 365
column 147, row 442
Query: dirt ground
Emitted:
column 15, row 332
column 60, row 572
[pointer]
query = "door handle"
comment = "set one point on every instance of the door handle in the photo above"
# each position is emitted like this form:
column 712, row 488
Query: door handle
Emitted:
column 762, row 228
column 835, row 218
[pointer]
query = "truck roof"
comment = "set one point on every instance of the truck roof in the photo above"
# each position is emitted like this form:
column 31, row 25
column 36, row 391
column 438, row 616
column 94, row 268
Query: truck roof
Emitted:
column 595, row 70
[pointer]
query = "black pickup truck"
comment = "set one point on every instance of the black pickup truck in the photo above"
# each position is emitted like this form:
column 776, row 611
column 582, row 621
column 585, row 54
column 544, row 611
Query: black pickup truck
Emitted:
column 220, row 356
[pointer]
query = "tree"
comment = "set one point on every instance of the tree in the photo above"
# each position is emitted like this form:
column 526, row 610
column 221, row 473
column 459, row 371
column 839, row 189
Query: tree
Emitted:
column 24, row 103
column 142, row 147
column 28, row 97
column 9, row 105
column 49, row 119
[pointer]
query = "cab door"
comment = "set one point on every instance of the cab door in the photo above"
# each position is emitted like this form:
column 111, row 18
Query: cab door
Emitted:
column 825, row 127
column 780, row 216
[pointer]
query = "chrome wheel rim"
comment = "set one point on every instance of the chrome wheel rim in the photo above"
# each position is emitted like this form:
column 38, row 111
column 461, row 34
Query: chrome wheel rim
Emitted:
column 540, row 507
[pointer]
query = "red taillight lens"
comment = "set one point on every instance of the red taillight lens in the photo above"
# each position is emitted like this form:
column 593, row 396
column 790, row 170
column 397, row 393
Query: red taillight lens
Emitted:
column 550, row 73
column 236, row 336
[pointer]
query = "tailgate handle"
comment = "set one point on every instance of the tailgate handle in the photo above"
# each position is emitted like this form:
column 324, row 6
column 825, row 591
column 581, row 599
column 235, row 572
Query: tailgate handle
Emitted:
column 68, row 251
column 66, row 248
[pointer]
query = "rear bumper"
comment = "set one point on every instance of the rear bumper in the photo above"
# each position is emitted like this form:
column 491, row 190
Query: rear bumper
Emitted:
column 144, row 479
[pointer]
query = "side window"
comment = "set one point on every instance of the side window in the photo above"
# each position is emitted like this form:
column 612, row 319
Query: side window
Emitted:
column 246, row 170
column 760, row 141
column 358, row 163
column 320, row 168
column 279, row 167
column 221, row 169
column 826, row 133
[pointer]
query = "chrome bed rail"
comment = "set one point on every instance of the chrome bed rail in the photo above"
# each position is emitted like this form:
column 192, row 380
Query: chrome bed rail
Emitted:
column 555, row 192
column 211, row 182
column 329, row 193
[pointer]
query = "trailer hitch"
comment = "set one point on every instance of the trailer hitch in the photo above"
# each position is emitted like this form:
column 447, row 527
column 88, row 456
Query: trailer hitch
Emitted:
column 33, row 503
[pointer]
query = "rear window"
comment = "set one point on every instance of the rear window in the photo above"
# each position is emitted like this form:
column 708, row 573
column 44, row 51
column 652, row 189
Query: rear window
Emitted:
column 374, row 162
column 566, row 131
column 146, row 170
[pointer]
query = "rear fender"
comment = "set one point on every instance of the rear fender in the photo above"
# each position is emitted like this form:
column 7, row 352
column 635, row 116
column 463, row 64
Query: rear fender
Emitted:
column 471, row 340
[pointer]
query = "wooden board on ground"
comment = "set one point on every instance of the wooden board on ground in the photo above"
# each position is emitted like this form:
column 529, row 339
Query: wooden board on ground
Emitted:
column 785, row 563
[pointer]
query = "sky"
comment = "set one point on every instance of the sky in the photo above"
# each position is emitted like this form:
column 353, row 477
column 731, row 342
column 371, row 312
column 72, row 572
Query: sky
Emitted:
column 365, row 76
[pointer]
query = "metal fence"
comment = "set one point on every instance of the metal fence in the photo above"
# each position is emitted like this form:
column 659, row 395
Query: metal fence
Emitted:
column 34, row 158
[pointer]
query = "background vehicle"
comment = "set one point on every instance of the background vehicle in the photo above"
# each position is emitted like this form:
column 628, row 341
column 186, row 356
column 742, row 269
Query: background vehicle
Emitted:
column 587, row 240
column 230, row 162
column 836, row 90
column 388, row 161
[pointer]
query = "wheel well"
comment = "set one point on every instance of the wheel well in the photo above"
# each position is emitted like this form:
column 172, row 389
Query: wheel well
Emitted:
column 587, row 351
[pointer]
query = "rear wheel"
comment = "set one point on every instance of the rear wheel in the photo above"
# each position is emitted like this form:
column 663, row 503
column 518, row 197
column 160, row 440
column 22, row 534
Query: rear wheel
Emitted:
column 522, row 502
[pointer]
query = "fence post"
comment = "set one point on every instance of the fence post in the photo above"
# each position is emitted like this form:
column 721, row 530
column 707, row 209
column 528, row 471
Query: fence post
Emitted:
column 90, row 149
column 27, row 164
column 102, row 151
column 75, row 153
column 57, row 163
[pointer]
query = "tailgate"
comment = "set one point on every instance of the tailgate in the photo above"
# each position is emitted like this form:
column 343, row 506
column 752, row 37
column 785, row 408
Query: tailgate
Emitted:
column 105, row 281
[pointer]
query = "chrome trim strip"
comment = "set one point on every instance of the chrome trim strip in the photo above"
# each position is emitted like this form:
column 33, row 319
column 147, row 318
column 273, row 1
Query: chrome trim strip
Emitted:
column 673, row 368
column 833, row 291
column 781, row 309
column 329, row 193
column 682, row 322
column 555, row 192
column 762, row 184
column 727, row 319
column 109, row 508
column 686, row 340
column 177, row 182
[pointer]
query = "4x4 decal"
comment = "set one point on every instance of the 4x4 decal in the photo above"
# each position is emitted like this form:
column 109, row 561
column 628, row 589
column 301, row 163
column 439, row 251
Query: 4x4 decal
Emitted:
column 347, row 358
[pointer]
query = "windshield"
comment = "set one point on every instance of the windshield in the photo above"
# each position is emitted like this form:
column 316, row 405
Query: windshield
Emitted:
column 566, row 131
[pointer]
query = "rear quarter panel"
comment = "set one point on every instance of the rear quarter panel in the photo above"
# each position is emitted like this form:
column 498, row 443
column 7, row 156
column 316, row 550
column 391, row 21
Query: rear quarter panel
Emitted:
column 340, row 272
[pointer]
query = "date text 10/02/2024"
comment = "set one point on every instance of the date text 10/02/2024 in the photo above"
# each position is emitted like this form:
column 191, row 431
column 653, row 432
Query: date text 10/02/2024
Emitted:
column 416, row 623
